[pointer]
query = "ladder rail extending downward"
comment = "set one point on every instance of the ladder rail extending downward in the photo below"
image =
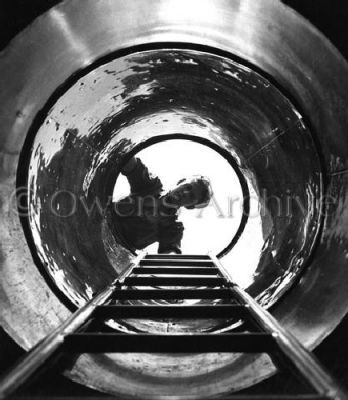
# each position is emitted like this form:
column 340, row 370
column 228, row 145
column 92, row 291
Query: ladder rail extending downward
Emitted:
column 42, row 352
column 210, row 281
column 305, row 362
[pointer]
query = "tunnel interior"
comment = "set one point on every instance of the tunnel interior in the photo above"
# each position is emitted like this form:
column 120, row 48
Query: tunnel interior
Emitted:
column 141, row 101
column 268, row 130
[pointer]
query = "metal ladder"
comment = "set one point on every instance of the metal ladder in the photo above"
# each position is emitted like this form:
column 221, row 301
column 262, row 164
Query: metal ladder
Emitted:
column 194, row 277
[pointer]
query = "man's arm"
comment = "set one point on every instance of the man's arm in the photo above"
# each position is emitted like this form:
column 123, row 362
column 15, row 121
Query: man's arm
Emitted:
column 170, row 236
column 140, row 180
column 128, row 168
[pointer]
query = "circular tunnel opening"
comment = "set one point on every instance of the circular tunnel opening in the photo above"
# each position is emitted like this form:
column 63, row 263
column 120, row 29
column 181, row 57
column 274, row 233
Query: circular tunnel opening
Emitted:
column 211, row 228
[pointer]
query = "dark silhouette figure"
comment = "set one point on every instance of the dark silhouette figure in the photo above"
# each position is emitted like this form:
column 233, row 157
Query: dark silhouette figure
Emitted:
column 147, row 216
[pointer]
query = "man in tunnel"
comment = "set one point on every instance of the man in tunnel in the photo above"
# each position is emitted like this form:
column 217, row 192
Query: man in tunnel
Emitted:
column 147, row 216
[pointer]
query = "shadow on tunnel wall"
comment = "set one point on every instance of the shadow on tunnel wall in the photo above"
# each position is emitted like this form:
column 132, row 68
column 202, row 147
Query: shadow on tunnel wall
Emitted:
column 331, row 20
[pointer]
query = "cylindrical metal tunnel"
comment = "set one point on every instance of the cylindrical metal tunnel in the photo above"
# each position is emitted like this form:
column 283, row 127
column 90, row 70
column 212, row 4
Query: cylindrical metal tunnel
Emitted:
column 90, row 83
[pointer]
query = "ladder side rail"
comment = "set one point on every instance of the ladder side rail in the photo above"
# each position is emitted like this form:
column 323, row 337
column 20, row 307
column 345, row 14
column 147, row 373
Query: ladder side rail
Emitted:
column 41, row 353
column 290, row 347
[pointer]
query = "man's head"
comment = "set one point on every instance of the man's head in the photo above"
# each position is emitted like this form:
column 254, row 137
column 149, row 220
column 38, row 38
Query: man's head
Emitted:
column 193, row 192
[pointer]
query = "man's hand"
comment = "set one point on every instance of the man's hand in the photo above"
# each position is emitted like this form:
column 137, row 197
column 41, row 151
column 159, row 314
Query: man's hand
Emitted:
column 128, row 168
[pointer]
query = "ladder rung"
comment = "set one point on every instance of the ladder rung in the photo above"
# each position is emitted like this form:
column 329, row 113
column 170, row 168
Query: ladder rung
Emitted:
column 146, row 343
column 177, row 256
column 154, row 311
column 174, row 281
column 165, row 294
column 276, row 397
column 176, row 263
column 232, row 397
column 175, row 270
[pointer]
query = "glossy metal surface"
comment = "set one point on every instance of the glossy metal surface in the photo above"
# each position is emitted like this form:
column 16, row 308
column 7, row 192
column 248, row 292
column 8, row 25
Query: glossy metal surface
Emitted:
column 28, row 367
column 116, row 108
column 265, row 33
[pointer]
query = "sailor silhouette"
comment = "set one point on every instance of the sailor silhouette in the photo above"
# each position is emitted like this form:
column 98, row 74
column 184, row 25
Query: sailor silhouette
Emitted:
column 147, row 215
